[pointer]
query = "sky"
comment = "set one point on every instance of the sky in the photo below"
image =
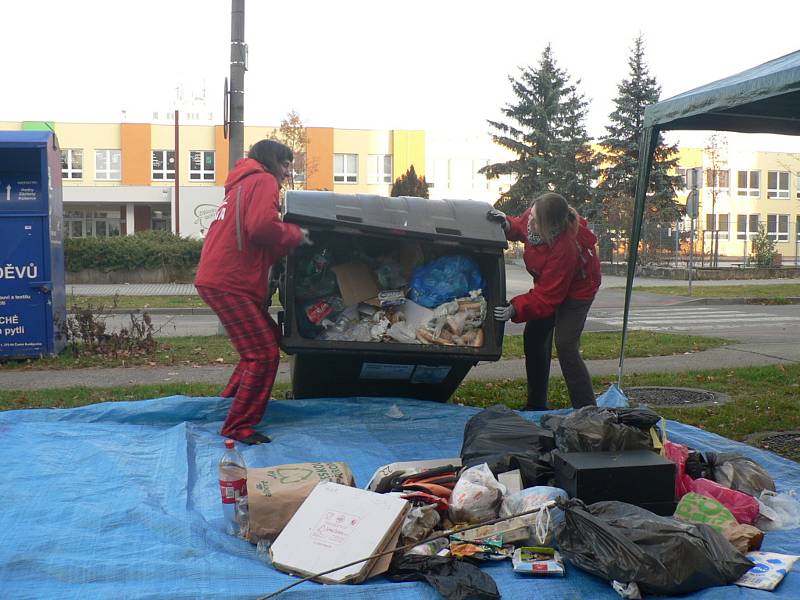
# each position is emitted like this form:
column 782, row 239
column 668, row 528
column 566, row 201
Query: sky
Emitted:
column 368, row 64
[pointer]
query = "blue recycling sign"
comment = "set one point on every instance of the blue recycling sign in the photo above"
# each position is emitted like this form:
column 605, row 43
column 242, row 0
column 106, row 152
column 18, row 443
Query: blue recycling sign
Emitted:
column 19, row 189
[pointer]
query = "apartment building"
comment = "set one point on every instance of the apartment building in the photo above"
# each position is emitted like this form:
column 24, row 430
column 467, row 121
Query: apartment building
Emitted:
column 741, row 190
column 120, row 178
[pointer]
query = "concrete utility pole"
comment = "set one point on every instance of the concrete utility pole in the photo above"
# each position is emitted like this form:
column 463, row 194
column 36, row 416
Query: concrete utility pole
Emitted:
column 238, row 67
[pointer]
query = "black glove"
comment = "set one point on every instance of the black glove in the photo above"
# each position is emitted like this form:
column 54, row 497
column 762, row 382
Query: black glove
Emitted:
column 498, row 216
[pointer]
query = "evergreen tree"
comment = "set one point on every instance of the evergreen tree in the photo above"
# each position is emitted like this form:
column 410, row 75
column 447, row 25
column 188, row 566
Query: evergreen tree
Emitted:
column 617, row 186
column 409, row 184
column 545, row 129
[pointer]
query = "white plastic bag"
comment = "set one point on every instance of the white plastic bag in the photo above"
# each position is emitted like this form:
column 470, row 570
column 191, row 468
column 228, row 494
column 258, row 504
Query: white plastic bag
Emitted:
column 768, row 571
column 546, row 519
column 476, row 495
column 778, row 511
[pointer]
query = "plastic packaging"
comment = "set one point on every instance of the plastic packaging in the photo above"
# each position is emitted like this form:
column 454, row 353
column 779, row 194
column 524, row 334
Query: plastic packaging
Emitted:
column 662, row 555
column 444, row 279
column 546, row 520
column 679, row 454
column 768, row 571
column 739, row 473
column 476, row 496
column 778, row 511
column 743, row 507
column 233, row 489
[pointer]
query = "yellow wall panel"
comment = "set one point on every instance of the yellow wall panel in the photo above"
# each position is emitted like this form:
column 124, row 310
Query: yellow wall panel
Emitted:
column 408, row 148
column 221, row 156
column 320, row 158
column 136, row 158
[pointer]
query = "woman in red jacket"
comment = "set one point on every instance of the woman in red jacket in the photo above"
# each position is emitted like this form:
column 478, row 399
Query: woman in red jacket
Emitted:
column 560, row 255
column 245, row 239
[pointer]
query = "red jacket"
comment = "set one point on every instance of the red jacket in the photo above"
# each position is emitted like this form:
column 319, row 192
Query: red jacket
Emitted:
column 569, row 268
column 247, row 235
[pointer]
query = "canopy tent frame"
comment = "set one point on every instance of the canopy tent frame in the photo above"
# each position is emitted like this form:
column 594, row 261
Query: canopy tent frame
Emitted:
column 763, row 99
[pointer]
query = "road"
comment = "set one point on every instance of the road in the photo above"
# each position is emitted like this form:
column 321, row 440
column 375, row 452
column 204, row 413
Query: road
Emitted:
column 656, row 312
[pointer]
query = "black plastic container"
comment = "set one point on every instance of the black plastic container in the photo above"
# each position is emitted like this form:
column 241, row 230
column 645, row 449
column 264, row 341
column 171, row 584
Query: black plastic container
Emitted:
column 323, row 368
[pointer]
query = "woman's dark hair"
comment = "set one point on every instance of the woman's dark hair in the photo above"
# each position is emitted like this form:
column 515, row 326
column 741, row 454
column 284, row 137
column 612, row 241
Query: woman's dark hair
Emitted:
column 270, row 154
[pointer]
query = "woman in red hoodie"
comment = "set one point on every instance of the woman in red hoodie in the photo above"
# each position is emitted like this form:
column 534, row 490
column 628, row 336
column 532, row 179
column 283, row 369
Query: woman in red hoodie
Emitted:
column 245, row 239
column 560, row 255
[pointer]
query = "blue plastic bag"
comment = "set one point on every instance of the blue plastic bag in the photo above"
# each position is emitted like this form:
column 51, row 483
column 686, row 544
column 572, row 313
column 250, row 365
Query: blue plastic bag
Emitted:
column 444, row 279
column 613, row 398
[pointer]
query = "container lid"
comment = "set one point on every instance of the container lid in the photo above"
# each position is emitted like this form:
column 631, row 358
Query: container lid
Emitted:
column 463, row 220
column 229, row 444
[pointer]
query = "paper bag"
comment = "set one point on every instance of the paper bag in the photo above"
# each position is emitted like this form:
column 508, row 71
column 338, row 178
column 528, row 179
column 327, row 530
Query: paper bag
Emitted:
column 275, row 493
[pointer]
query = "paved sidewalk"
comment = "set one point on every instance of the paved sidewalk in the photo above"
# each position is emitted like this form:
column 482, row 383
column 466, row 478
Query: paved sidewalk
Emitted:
column 733, row 356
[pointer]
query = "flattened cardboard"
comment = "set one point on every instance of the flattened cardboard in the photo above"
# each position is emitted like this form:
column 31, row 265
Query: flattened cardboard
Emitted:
column 356, row 283
column 337, row 525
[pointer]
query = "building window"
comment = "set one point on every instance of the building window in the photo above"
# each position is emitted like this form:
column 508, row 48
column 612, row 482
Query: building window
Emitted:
column 723, row 225
column 201, row 165
column 797, row 193
column 345, row 168
column 691, row 178
column 778, row 227
column 79, row 222
column 778, row 184
column 746, row 226
column 797, row 229
column 72, row 163
column 717, row 178
column 107, row 164
column 748, row 183
column 379, row 168
column 163, row 164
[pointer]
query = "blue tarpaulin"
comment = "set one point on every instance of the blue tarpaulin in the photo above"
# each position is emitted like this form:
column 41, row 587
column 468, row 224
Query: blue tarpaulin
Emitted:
column 120, row 500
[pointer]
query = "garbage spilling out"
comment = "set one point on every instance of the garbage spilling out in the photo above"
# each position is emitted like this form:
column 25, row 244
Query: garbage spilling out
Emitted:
column 470, row 495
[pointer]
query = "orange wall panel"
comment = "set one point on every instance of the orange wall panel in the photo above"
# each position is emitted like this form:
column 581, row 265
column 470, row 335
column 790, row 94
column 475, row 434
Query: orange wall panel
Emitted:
column 221, row 155
column 136, row 157
column 320, row 158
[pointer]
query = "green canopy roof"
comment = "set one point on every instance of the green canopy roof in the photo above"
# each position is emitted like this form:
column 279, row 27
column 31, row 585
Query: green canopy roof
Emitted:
column 764, row 99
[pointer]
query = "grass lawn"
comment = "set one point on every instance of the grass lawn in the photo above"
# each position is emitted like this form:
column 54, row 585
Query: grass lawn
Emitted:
column 763, row 398
column 100, row 303
column 773, row 292
column 203, row 350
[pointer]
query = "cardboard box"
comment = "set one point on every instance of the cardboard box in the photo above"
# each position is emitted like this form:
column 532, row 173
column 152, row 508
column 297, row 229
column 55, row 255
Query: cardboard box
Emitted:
column 337, row 525
column 637, row 477
column 356, row 283
column 275, row 493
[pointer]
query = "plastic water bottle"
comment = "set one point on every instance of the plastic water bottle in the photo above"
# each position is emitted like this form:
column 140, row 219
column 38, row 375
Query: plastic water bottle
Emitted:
column 233, row 487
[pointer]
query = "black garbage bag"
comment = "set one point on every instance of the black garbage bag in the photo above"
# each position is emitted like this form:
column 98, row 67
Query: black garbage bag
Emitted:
column 622, row 542
column 453, row 579
column 593, row 429
column 501, row 438
column 739, row 473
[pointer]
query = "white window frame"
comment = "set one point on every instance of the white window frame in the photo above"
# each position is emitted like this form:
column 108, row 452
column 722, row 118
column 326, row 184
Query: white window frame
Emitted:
column 376, row 169
column 749, row 189
column 749, row 231
column 164, row 173
column 778, row 235
column 108, row 173
column 723, row 234
column 343, row 174
column 71, row 171
column 202, row 174
column 778, row 192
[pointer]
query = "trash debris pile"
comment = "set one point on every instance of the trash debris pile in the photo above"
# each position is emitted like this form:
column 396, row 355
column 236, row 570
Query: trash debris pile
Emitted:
column 389, row 296
column 599, row 489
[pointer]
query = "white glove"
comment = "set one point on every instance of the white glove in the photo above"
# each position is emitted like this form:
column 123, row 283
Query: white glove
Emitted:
column 504, row 313
column 306, row 241
column 498, row 216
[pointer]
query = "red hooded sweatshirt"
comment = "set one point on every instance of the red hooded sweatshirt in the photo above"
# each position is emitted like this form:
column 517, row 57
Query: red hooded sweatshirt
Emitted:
column 247, row 235
column 567, row 269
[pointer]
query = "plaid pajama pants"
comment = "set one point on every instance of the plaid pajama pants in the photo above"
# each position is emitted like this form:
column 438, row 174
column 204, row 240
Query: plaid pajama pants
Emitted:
column 255, row 336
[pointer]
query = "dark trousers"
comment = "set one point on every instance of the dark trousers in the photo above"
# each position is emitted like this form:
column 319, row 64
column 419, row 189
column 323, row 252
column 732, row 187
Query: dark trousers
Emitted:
column 566, row 326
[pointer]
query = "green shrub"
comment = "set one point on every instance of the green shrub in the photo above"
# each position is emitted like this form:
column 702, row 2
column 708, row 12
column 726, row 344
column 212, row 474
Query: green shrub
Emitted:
column 144, row 250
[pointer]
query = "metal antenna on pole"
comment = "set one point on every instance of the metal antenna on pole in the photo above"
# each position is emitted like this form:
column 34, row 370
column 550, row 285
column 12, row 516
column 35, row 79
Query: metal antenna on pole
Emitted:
column 238, row 67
